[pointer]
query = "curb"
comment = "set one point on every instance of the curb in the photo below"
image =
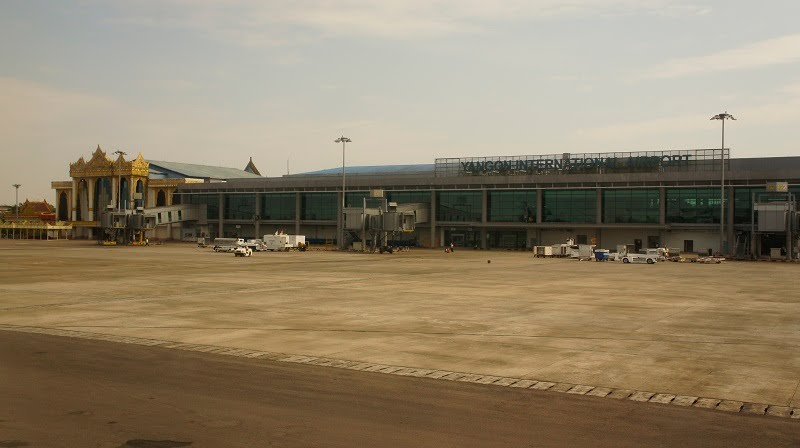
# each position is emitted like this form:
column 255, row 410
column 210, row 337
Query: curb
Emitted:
column 717, row 404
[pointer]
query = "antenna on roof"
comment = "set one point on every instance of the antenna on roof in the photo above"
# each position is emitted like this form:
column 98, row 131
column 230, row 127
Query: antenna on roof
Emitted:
column 287, row 166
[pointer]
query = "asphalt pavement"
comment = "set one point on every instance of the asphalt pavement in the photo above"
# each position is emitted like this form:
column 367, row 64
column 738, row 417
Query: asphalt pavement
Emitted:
column 63, row 392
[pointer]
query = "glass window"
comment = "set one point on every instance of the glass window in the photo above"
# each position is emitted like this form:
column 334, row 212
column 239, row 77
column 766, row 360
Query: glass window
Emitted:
column 576, row 206
column 169, row 216
column 211, row 201
column 356, row 198
column 636, row 206
column 408, row 197
column 693, row 205
column 512, row 206
column 319, row 206
column 240, row 206
column 458, row 206
column 278, row 206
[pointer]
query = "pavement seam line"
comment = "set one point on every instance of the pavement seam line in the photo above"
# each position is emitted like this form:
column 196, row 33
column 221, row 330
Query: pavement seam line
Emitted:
column 717, row 404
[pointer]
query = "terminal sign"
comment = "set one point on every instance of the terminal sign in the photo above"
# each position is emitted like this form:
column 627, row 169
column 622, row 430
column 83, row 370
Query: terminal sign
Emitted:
column 777, row 187
column 569, row 164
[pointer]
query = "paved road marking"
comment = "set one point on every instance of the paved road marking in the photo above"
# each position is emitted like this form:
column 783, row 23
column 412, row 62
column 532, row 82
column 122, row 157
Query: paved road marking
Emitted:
column 641, row 396
column 779, row 411
column 506, row 381
column 601, row 392
column 561, row 387
column 662, row 398
column 730, row 406
column 439, row 374
column 754, row 408
column 620, row 394
column 580, row 389
column 707, row 403
column 683, row 400
column 542, row 385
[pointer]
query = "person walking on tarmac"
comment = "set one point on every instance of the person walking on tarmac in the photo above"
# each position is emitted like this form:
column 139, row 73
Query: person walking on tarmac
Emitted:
column 452, row 247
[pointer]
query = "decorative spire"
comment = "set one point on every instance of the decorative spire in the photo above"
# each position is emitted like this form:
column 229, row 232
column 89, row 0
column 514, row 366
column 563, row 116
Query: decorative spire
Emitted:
column 251, row 167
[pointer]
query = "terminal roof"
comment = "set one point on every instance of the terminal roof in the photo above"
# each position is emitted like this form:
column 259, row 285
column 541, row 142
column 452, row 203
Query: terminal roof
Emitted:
column 171, row 170
column 425, row 168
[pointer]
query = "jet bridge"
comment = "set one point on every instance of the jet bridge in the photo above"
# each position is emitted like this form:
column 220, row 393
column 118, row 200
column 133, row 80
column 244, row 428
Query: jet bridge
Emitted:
column 377, row 220
column 774, row 223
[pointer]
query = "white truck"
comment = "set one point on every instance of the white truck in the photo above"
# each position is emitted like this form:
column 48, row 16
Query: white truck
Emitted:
column 276, row 242
column 282, row 242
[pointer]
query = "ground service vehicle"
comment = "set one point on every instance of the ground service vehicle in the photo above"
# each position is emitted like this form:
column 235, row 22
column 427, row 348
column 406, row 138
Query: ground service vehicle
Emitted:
column 282, row 242
column 640, row 258
column 242, row 251
column 227, row 244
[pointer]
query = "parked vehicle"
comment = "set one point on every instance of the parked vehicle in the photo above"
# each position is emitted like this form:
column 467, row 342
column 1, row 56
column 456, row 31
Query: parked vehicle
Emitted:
column 640, row 258
column 242, row 251
column 276, row 242
column 283, row 242
column 256, row 245
column 227, row 244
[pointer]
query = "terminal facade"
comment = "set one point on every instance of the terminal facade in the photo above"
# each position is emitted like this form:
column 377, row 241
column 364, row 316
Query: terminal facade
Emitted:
column 647, row 199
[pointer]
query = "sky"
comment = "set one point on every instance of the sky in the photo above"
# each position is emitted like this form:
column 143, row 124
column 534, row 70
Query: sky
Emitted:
column 219, row 81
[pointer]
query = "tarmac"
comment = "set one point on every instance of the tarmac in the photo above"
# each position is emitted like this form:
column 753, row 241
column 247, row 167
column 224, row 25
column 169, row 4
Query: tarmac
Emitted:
column 729, row 331
column 60, row 392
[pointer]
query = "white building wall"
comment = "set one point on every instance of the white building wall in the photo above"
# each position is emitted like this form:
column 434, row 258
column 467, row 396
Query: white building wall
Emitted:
column 703, row 239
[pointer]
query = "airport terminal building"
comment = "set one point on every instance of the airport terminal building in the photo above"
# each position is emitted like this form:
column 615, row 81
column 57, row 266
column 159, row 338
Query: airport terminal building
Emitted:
column 648, row 199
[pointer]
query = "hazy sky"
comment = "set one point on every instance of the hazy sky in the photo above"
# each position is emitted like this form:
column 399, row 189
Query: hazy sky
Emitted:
column 218, row 81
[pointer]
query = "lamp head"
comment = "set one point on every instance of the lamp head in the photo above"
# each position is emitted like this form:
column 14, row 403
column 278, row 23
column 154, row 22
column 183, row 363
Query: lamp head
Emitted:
column 723, row 116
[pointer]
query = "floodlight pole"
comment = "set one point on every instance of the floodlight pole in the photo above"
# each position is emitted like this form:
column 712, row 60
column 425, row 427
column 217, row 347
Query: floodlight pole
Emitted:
column 16, row 199
column 722, row 117
column 343, row 140
column 119, row 186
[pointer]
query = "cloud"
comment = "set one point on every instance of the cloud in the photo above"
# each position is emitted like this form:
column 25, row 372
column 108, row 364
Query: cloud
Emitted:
column 275, row 23
column 781, row 50
column 759, row 115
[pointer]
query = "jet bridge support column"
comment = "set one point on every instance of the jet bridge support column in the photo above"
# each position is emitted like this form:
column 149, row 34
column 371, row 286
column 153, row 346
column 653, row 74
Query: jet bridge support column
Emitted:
column 433, row 218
